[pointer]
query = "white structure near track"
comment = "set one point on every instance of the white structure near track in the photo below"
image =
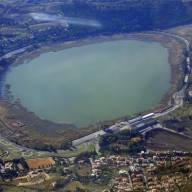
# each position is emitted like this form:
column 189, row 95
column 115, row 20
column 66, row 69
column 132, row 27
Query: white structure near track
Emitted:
column 88, row 138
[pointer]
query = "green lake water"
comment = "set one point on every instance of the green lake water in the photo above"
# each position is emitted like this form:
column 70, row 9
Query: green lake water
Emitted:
column 92, row 83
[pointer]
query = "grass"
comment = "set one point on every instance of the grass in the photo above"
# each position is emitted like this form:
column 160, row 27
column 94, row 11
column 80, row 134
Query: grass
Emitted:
column 179, row 120
column 84, row 170
column 73, row 186
column 80, row 149
column 187, row 187
column 1, row 150
column 162, row 140
column 184, row 112
column 15, row 189
column 91, row 187
column 96, row 188
column 15, row 152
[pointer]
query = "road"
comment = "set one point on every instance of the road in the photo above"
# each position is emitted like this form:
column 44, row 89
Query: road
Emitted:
column 178, row 97
column 169, row 34
column 15, row 52
column 159, row 126
column 88, row 138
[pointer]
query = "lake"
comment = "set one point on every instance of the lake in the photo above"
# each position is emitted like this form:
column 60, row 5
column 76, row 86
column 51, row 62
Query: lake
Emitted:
column 92, row 83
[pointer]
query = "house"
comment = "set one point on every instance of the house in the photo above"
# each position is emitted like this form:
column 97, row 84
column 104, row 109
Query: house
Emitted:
column 42, row 163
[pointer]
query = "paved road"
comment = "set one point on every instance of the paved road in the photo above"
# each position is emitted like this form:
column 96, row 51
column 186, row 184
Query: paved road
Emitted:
column 159, row 126
column 180, row 38
column 15, row 52
column 88, row 138
column 178, row 97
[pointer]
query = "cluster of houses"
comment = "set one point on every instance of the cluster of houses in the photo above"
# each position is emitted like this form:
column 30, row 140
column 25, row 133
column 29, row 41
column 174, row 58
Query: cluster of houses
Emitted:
column 139, row 173
column 135, row 173
column 168, row 182
column 138, row 181
column 123, row 182
column 15, row 168
column 32, row 178
column 112, row 161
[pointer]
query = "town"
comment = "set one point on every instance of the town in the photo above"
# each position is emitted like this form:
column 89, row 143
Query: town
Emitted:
column 147, row 171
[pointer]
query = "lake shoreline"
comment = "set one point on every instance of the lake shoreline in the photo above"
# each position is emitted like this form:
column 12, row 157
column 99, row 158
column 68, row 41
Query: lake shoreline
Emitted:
column 167, row 42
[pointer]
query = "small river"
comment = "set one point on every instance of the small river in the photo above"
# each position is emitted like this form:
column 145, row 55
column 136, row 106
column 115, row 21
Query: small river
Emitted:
column 96, row 82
